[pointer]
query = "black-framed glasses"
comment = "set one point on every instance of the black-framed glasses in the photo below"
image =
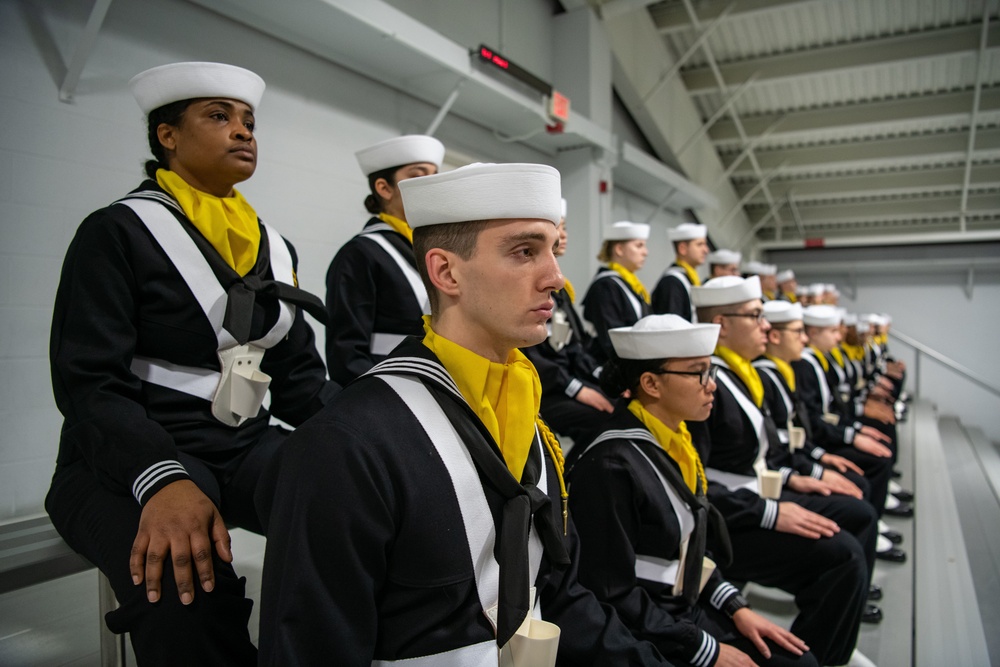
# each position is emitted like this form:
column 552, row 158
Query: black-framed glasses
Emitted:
column 796, row 331
column 705, row 376
column 758, row 316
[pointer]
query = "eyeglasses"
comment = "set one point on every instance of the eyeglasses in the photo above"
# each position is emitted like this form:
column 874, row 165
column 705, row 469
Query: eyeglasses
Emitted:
column 758, row 316
column 797, row 331
column 705, row 376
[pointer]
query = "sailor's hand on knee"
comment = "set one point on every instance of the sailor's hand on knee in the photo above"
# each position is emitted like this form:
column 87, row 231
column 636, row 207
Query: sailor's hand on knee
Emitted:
column 756, row 628
column 840, row 463
column 797, row 520
column 805, row 484
column 840, row 484
column 869, row 445
column 180, row 524
column 730, row 656
column 594, row 399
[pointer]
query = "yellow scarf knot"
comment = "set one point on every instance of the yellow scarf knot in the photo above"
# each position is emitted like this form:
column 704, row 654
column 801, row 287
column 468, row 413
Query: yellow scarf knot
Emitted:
column 677, row 445
column 838, row 356
column 630, row 279
column 691, row 273
column 398, row 225
column 745, row 371
column 786, row 371
column 821, row 357
column 228, row 223
column 504, row 396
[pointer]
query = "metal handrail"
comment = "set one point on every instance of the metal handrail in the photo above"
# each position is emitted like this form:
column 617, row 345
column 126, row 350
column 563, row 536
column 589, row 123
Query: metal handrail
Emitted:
column 921, row 348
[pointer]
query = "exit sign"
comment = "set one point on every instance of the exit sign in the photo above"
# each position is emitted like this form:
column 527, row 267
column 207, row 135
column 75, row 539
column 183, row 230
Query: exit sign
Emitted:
column 558, row 106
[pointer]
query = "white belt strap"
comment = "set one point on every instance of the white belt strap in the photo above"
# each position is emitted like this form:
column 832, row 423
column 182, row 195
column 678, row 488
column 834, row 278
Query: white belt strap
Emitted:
column 411, row 275
column 384, row 343
column 785, row 398
column 824, row 388
column 483, row 654
column 679, row 273
column 659, row 570
column 199, row 382
column 630, row 295
column 753, row 413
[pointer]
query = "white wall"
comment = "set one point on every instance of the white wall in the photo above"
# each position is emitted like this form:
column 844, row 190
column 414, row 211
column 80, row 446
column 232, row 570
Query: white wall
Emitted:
column 58, row 162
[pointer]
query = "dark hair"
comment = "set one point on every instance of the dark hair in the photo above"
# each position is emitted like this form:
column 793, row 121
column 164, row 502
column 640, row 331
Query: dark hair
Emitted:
column 459, row 238
column 374, row 202
column 171, row 114
column 621, row 374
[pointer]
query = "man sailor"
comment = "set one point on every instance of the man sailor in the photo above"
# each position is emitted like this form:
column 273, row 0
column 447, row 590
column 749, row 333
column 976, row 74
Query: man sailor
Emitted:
column 723, row 262
column 817, row 546
column 373, row 293
column 572, row 401
column 413, row 517
column 673, row 293
column 767, row 273
column 787, row 286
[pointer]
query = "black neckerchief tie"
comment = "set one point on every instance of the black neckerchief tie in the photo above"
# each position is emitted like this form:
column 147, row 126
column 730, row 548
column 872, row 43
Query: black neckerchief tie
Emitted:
column 707, row 520
column 521, row 501
column 243, row 293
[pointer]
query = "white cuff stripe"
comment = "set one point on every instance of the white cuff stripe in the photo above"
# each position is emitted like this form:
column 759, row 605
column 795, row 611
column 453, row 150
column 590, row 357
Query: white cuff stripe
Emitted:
column 722, row 593
column 573, row 387
column 785, row 474
column 818, row 452
column 770, row 514
column 849, row 435
column 705, row 652
column 154, row 474
column 817, row 471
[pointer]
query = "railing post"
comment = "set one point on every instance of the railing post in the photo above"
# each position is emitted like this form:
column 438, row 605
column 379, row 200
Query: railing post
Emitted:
column 916, row 372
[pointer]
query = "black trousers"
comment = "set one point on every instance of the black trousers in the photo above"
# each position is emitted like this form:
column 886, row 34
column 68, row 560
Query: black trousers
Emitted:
column 855, row 516
column 101, row 524
column 828, row 577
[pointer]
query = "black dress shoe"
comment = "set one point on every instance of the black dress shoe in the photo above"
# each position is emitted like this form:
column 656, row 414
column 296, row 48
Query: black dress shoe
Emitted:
column 893, row 536
column 893, row 555
column 896, row 474
column 874, row 592
column 903, row 510
column 904, row 495
column 871, row 614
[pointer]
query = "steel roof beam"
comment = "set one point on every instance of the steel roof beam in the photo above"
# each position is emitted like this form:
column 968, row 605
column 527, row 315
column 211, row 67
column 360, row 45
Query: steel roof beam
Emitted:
column 988, row 204
column 982, row 64
column 932, row 149
column 897, row 183
column 673, row 18
column 887, row 114
column 865, row 54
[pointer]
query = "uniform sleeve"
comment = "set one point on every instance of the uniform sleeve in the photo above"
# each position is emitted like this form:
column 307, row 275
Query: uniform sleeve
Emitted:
column 605, row 502
column 670, row 297
column 351, row 302
column 93, row 338
column 741, row 508
column 326, row 550
column 552, row 370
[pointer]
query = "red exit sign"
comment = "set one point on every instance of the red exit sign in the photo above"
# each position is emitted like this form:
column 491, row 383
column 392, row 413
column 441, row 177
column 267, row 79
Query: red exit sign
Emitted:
column 558, row 106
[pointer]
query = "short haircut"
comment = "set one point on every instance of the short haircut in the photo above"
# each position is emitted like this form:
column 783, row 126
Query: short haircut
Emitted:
column 459, row 238
column 708, row 313
column 605, row 254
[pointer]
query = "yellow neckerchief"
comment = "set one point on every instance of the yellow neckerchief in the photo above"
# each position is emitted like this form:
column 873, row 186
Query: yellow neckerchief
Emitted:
column 786, row 371
column 677, row 445
column 631, row 280
column 569, row 290
column 768, row 295
column 838, row 356
column 398, row 225
column 504, row 396
column 792, row 298
column 691, row 273
column 821, row 357
column 881, row 339
column 228, row 223
column 854, row 352
column 745, row 371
